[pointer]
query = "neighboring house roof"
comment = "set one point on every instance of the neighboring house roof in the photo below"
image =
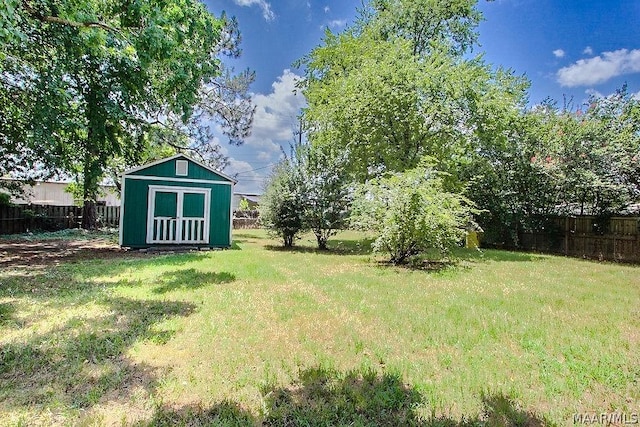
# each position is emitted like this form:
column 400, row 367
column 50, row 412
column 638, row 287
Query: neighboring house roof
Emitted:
column 134, row 171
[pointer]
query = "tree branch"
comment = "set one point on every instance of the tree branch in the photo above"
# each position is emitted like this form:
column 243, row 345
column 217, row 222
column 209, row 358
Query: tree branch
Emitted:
column 57, row 20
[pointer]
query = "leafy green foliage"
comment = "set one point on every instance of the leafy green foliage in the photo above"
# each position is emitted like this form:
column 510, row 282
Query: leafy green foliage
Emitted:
column 83, row 83
column 5, row 199
column 411, row 213
column 595, row 154
column 388, row 97
column 328, row 192
column 309, row 190
column 514, row 193
column 558, row 162
column 243, row 205
column 424, row 22
column 283, row 203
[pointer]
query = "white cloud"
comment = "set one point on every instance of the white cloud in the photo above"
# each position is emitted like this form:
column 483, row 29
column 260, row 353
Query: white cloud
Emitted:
column 600, row 68
column 249, row 179
column 274, row 122
column 588, row 50
column 276, row 114
column 267, row 13
column 264, row 156
column 337, row 23
column 558, row 53
column 593, row 92
column 327, row 9
column 636, row 96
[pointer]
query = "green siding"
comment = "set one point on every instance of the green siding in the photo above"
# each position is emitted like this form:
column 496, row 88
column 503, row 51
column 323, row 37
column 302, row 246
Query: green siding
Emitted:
column 166, row 204
column 168, row 170
column 193, row 205
column 134, row 221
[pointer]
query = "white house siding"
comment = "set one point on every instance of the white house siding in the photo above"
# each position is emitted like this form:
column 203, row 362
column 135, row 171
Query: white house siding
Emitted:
column 53, row 193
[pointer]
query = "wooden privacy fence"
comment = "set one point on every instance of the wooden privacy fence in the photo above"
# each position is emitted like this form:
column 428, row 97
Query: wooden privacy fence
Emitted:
column 24, row 218
column 616, row 238
column 246, row 219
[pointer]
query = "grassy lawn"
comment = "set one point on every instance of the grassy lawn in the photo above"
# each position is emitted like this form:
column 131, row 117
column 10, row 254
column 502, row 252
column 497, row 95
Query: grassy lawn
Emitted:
column 258, row 335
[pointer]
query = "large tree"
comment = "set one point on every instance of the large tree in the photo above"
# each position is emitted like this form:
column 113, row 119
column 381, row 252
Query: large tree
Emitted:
column 425, row 22
column 558, row 161
column 396, row 87
column 594, row 153
column 87, row 80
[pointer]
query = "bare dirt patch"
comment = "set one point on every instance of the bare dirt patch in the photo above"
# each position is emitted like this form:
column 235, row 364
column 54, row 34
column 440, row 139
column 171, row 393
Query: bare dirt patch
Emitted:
column 41, row 253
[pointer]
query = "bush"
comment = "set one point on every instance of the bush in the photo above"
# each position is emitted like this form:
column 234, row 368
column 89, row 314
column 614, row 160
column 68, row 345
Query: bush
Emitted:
column 308, row 191
column 282, row 205
column 327, row 195
column 410, row 213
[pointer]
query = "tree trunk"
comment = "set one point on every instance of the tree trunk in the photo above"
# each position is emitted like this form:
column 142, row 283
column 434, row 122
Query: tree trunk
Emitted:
column 90, row 191
column 92, row 164
column 89, row 216
column 322, row 242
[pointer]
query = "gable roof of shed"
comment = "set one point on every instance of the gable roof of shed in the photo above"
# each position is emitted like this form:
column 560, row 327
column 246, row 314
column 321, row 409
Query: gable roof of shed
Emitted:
column 179, row 156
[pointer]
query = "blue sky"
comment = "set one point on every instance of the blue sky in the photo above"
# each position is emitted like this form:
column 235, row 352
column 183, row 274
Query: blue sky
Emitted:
column 568, row 49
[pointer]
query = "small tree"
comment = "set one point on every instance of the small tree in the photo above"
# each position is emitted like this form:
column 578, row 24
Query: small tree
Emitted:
column 243, row 205
column 283, row 203
column 328, row 195
column 410, row 213
column 309, row 190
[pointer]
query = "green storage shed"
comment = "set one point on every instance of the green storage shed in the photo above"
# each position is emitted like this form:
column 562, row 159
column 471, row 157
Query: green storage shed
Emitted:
column 176, row 201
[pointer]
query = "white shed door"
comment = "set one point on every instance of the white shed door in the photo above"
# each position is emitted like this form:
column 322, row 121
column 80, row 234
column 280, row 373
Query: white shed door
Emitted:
column 178, row 215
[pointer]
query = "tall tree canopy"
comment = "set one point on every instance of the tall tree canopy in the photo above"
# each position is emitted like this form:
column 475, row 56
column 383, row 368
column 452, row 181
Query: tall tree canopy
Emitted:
column 446, row 22
column 396, row 87
column 83, row 82
column 556, row 161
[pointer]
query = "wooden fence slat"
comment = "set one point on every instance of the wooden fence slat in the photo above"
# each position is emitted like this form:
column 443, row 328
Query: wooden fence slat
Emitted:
column 13, row 220
column 577, row 238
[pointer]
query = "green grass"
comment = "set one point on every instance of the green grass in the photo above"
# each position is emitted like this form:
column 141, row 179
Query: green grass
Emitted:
column 258, row 334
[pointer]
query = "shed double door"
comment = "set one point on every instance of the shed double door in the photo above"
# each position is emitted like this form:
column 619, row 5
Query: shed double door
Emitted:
column 178, row 215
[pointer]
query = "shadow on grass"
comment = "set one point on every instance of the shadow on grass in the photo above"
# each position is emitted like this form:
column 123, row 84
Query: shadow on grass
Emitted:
column 190, row 279
column 335, row 247
column 84, row 361
column 434, row 263
column 222, row 414
column 6, row 314
column 325, row 397
column 363, row 247
column 158, row 258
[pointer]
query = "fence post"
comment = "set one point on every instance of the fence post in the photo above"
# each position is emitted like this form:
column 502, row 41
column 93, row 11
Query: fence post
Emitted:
column 566, row 236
